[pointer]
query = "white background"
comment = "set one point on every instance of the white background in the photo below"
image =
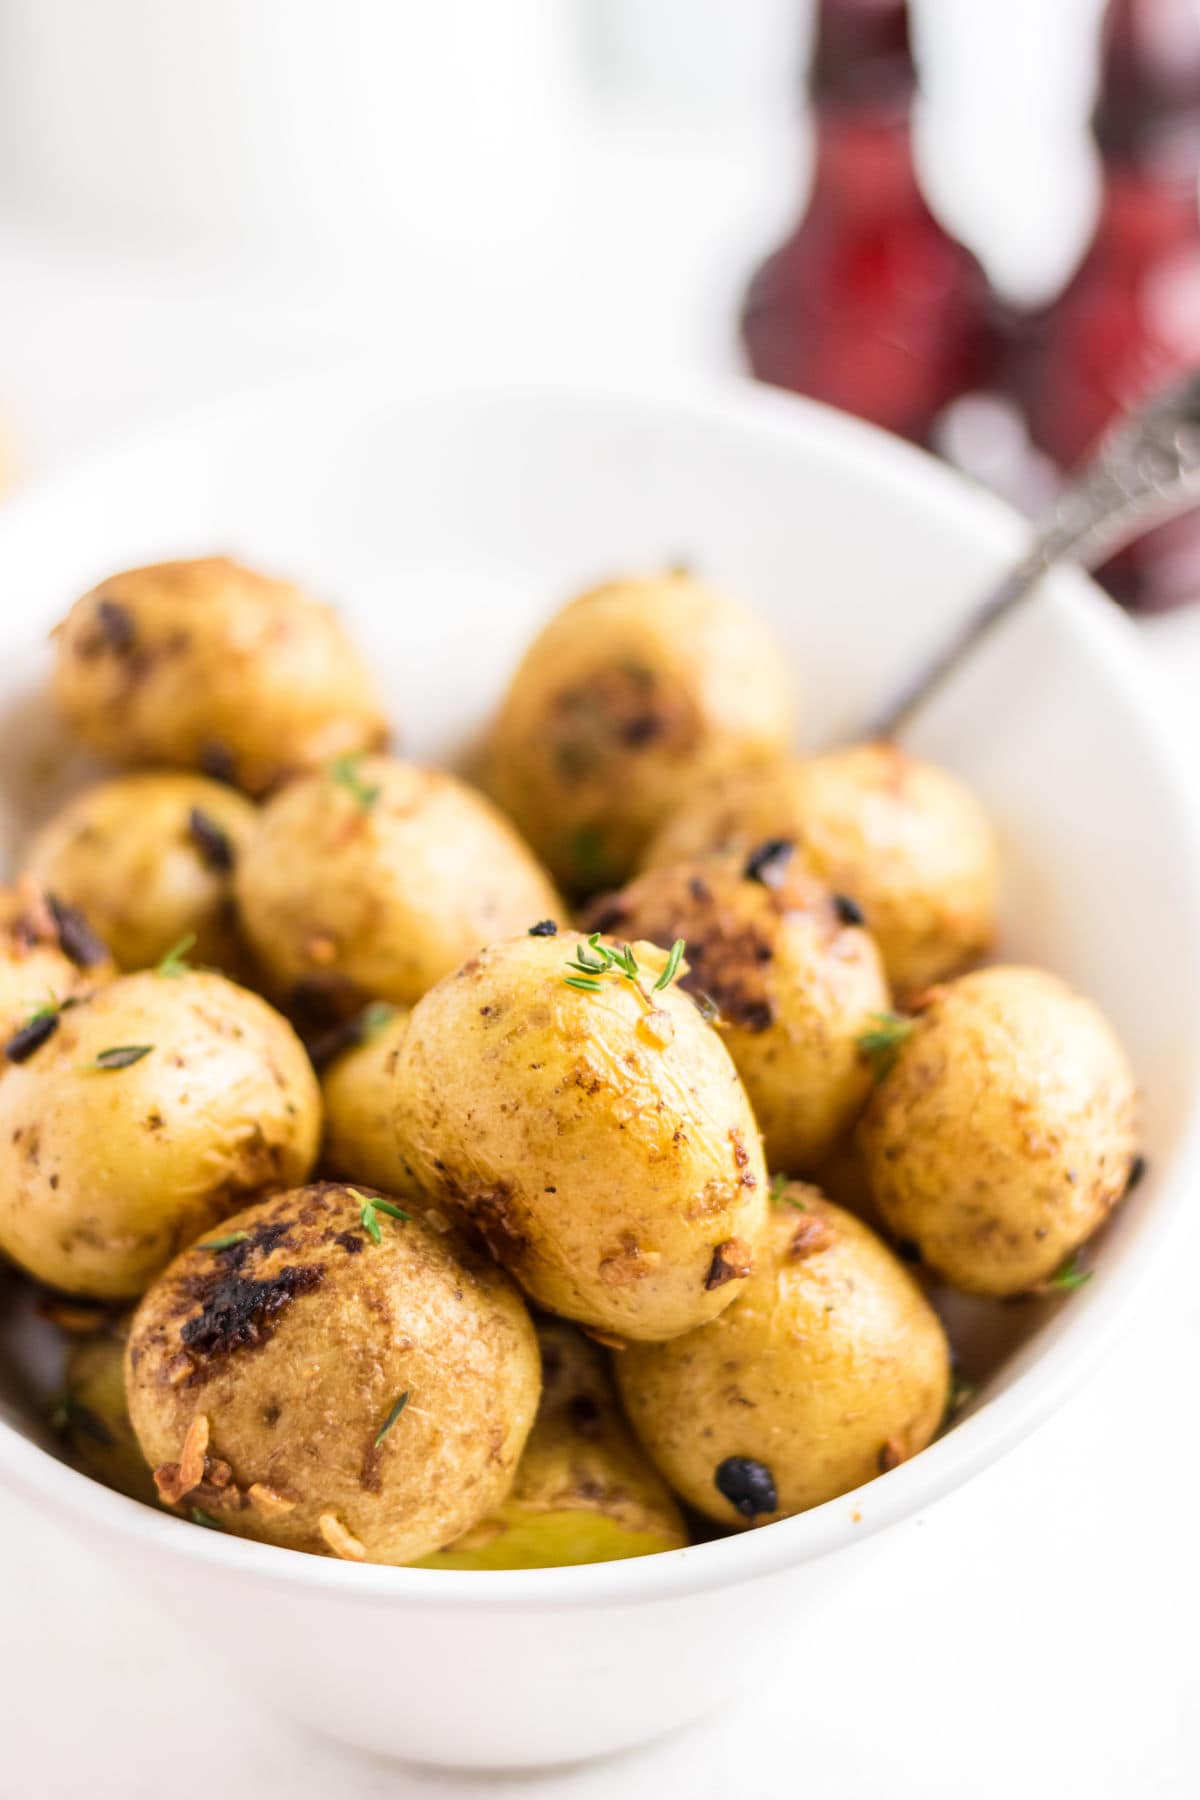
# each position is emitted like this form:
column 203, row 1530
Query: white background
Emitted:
column 1053, row 1603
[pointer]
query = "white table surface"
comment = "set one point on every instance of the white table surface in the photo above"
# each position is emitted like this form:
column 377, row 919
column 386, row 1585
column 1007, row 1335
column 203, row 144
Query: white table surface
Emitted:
column 1053, row 1602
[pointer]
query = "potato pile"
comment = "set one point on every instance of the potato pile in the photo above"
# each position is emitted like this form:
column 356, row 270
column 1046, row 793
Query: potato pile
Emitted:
column 403, row 1210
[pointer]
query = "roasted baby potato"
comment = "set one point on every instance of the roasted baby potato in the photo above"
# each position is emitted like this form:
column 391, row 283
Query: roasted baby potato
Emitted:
column 630, row 695
column 332, row 1376
column 48, row 953
column 1005, row 1130
column 596, row 1135
column 584, row 1491
column 828, row 1368
column 904, row 840
column 376, row 878
column 357, row 1090
column 208, row 665
column 149, row 859
column 795, row 980
column 94, row 1416
column 152, row 1108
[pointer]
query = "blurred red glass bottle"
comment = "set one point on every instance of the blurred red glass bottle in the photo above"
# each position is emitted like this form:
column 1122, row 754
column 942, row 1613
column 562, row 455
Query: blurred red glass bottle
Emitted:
column 869, row 304
column 1129, row 319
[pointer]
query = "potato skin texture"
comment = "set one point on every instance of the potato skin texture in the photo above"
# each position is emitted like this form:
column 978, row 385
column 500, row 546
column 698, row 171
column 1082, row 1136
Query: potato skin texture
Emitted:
column 209, row 665
column 795, row 987
column 125, row 853
column 296, row 1342
column 360, row 1127
column 96, row 1417
column 1005, row 1131
column 106, row 1173
column 35, row 969
column 904, row 839
column 828, row 1368
column 380, row 900
column 628, row 696
column 584, row 1490
column 606, row 1169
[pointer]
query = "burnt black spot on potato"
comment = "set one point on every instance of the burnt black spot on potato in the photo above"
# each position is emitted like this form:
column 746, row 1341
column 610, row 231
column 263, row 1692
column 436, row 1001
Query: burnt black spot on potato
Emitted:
column 768, row 864
column 748, row 1486
column 76, row 938
column 544, row 928
column 848, row 910
column 237, row 1313
column 116, row 626
column 216, row 851
column 22, row 1044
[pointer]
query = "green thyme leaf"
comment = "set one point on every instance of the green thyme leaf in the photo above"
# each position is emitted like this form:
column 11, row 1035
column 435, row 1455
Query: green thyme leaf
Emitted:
column 881, row 1044
column 1072, row 1275
column 122, row 1056
column 198, row 1516
column 369, row 1216
column 225, row 1243
column 175, row 962
column 585, row 983
column 778, row 1194
column 374, row 1019
column 344, row 771
column 398, row 1406
column 673, row 961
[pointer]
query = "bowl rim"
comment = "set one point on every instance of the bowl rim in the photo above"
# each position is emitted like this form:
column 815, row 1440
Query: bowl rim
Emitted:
column 722, row 403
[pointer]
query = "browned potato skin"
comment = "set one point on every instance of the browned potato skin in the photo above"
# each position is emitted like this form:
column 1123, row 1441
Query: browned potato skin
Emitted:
column 35, row 970
column 295, row 1344
column 605, row 1168
column 209, row 665
column 795, row 988
column 96, row 1417
column 829, row 1368
column 1004, row 1132
column 106, row 1173
column 626, row 698
column 357, row 1089
column 902, row 838
column 380, row 899
column 125, row 852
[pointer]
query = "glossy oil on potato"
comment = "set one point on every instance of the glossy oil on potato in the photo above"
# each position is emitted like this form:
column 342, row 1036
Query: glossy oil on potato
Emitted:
column 209, row 665
column 46, row 956
column 371, row 883
column 631, row 694
column 601, row 1142
column 357, row 1090
column 903, row 839
column 357, row 1399
column 1005, row 1131
column 584, row 1491
column 794, row 981
column 149, row 859
column 828, row 1369
column 107, row 1171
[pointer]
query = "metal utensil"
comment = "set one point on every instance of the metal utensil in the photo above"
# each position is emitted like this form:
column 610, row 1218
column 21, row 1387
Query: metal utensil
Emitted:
column 1145, row 471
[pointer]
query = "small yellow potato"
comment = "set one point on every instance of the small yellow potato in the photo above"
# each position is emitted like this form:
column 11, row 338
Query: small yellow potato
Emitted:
column 94, row 1416
column 149, row 859
column 829, row 1368
column 374, row 879
column 794, row 978
column 152, row 1110
column 627, row 697
column 1005, row 1130
column 904, row 840
column 333, row 1376
column 598, row 1138
column 357, row 1089
column 48, row 953
column 584, row 1491
column 209, row 665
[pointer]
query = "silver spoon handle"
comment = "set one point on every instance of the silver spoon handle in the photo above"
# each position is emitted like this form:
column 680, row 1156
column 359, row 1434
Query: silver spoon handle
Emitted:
column 1145, row 471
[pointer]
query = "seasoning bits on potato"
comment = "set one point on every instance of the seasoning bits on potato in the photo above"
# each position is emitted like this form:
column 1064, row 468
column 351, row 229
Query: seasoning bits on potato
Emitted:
column 209, row 665
column 301, row 1383
column 1004, row 1131
column 49, row 954
column 591, row 1126
column 828, row 1369
column 626, row 698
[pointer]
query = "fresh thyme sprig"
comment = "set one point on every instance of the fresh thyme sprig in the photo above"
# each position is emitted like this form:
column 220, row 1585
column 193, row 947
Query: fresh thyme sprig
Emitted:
column 1072, row 1275
column 122, row 1056
column 175, row 962
column 344, row 771
column 371, row 1208
column 594, row 960
column 398, row 1406
column 778, row 1194
column 225, row 1243
column 881, row 1044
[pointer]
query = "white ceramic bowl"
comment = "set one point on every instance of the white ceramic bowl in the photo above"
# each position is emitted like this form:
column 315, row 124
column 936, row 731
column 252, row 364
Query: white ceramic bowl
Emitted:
column 448, row 524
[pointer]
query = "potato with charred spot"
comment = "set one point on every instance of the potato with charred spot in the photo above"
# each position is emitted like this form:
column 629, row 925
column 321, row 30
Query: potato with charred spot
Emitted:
column 149, row 859
column 95, row 1417
column 357, row 1091
column 795, row 980
column 209, row 665
column 299, row 1382
column 48, row 953
column 1005, row 1130
column 372, row 881
column 151, row 1111
column 584, row 1490
column 597, row 1135
column 902, row 839
column 631, row 694
column 828, row 1369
